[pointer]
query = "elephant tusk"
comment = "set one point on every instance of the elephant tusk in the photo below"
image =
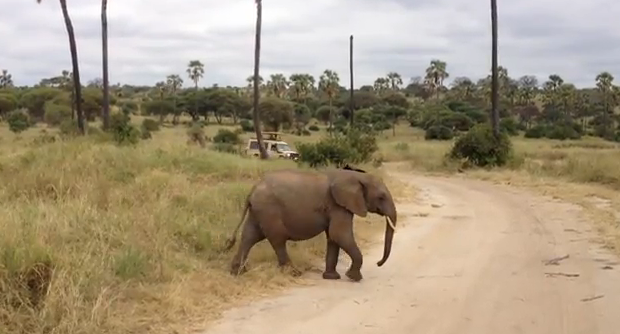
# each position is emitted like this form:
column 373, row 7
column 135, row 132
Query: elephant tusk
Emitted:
column 389, row 222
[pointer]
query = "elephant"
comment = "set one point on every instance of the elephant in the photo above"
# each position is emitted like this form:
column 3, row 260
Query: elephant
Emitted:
column 295, row 205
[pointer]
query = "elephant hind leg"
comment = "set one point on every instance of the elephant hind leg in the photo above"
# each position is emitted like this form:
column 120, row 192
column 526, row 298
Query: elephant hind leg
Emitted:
column 284, row 261
column 250, row 236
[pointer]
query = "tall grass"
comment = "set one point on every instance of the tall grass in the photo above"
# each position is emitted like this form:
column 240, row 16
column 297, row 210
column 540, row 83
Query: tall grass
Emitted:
column 104, row 239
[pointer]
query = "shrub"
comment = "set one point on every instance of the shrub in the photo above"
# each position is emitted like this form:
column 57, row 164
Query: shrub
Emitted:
column 150, row 124
column 196, row 134
column 18, row 121
column 226, row 136
column 353, row 147
column 313, row 128
column 509, row 125
column 562, row 132
column 537, row 131
column 438, row 132
column 481, row 148
column 55, row 113
column 246, row 125
column 122, row 130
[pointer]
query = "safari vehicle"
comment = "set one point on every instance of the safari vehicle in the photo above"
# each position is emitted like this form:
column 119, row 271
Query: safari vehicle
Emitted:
column 274, row 145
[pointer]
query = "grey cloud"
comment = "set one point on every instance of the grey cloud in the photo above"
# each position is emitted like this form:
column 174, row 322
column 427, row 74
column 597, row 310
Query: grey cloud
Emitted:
column 150, row 39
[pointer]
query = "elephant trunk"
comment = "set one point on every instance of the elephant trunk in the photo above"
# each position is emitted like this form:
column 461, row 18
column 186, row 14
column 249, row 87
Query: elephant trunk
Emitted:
column 390, row 225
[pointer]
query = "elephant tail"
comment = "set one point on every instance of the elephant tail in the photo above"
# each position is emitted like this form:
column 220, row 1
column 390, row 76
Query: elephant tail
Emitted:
column 230, row 242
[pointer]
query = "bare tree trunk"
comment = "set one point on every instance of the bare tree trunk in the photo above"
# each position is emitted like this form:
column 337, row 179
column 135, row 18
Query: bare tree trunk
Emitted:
column 104, row 57
column 257, row 127
column 494, row 74
column 77, row 86
column 351, row 103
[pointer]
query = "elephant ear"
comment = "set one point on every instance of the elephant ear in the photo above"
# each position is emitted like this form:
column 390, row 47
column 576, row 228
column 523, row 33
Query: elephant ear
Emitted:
column 348, row 192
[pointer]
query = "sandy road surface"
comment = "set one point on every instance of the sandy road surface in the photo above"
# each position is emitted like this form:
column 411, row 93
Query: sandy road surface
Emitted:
column 474, row 265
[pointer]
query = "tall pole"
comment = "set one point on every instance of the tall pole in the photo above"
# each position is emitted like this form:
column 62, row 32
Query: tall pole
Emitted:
column 351, row 103
column 494, row 74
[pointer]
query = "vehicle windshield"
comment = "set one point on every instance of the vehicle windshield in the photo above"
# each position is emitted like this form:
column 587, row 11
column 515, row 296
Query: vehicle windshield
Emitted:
column 283, row 147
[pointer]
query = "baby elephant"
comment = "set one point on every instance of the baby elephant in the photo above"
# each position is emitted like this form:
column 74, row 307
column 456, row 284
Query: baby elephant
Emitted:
column 299, row 204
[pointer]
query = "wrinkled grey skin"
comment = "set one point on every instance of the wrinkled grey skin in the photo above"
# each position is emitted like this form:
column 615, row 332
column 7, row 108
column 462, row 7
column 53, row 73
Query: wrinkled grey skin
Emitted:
column 298, row 205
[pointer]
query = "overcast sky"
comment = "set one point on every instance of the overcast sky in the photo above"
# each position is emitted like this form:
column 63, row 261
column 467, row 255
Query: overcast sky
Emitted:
column 149, row 39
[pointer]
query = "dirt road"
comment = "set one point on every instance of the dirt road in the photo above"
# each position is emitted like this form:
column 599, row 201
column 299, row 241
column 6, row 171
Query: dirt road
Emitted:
column 475, row 264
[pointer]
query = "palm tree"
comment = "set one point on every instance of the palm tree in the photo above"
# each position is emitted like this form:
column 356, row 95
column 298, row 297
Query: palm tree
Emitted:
column 435, row 75
column 278, row 85
column 395, row 80
column 174, row 83
column 381, row 85
column 301, row 85
column 195, row 71
column 257, row 127
column 104, row 57
column 604, row 83
column 6, row 79
column 77, row 87
column 494, row 70
column 329, row 84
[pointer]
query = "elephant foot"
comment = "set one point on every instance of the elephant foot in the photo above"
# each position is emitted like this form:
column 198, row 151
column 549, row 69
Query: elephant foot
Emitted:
column 354, row 275
column 331, row 275
column 236, row 269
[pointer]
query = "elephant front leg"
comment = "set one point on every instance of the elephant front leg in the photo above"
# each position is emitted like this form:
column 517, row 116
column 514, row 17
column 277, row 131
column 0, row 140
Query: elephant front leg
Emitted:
column 343, row 236
column 331, row 260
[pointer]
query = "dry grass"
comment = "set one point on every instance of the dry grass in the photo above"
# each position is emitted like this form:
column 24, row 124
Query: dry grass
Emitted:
column 125, row 239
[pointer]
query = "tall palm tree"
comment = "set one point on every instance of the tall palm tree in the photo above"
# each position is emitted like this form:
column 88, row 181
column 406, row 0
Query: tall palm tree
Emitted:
column 494, row 70
column 604, row 83
column 329, row 83
column 395, row 80
column 257, row 127
column 278, row 85
column 6, row 79
column 195, row 71
column 174, row 83
column 77, row 86
column 104, row 58
column 435, row 75
column 381, row 85
column 301, row 85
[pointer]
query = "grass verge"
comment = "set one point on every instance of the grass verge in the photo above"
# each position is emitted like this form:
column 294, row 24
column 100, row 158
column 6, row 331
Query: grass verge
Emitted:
column 104, row 239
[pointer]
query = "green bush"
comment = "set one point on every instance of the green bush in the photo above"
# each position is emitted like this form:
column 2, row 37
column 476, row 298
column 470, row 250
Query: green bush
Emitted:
column 55, row 113
column 226, row 136
column 18, row 121
column 353, row 147
column 150, row 124
column 509, row 125
column 196, row 134
column 313, row 128
column 562, row 132
column 438, row 132
column 537, row 131
column 123, row 132
column 246, row 125
column 481, row 148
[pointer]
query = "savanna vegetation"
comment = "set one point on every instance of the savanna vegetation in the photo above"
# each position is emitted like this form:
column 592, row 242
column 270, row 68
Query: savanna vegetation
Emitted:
column 117, row 198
